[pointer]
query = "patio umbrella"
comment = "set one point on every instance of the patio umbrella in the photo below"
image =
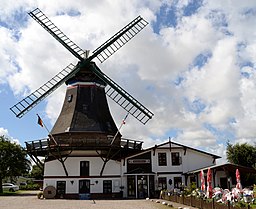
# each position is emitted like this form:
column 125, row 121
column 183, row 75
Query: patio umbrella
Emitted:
column 202, row 180
column 238, row 182
column 209, row 183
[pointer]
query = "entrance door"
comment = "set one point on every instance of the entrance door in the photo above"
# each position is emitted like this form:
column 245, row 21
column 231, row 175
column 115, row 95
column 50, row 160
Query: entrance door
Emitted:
column 223, row 183
column 142, row 183
column 84, row 186
column 131, row 189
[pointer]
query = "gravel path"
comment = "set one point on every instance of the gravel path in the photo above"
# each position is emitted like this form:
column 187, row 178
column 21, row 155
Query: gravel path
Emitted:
column 31, row 202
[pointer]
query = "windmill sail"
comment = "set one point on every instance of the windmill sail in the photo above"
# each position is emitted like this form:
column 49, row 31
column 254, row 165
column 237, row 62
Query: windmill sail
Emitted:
column 119, row 39
column 105, row 50
column 48, row 25
column 124, row 99
column 22, row 107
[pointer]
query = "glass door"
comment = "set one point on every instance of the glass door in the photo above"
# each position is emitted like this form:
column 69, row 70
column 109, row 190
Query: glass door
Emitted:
column 142, row 183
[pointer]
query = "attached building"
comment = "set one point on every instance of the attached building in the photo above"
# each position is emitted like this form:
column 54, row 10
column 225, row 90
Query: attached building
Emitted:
column 139, row 175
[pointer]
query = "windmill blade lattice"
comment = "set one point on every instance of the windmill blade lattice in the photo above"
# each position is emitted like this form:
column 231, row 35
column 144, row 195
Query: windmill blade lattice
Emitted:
column 49, row 26
column 124, row 99
column 119, row 39
column 22, row 107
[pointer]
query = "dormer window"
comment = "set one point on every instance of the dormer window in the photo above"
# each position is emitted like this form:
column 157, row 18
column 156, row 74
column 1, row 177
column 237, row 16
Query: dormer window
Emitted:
column 176, row 159
column 70, row 97
column 162, row 159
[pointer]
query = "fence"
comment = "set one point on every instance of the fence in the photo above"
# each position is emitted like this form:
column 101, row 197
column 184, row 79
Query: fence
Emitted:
column 199, row 202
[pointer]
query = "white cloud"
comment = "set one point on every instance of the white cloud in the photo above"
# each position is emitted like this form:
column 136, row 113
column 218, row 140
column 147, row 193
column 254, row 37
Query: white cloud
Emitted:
column 148, row 66
column 4, row 132
column 7, row 54
column 219, row 150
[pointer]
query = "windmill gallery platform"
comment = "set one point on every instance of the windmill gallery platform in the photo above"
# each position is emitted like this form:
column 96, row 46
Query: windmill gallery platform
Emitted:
column 85, row 154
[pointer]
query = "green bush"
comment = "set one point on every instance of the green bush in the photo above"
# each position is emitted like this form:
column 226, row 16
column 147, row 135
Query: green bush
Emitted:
column 30, row 187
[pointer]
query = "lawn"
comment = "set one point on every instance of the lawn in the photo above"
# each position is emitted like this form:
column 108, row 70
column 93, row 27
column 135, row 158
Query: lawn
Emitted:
column 253, row 206
column 10, row 193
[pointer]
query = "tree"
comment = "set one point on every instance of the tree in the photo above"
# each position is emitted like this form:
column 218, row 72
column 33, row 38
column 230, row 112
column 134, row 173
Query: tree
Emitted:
column 13, row 160
column 242, row 154
column 37, row 172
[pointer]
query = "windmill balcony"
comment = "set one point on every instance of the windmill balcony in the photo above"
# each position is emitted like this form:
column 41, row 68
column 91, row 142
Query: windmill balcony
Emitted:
column 42, row 146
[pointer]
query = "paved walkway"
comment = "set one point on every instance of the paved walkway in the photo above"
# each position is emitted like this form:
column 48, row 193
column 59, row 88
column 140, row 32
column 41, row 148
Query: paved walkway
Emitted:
column 30, row 201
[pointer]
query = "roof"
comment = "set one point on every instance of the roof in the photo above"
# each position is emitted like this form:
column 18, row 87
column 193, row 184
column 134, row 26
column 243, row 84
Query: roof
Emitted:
column 191, row 148
column 178, row 144
column 227, row 166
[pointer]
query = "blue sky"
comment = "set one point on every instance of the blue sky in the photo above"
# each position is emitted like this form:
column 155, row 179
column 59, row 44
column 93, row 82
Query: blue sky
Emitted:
column 193, row 66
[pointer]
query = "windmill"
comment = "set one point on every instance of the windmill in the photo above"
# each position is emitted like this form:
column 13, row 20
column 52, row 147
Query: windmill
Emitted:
column 85, row 121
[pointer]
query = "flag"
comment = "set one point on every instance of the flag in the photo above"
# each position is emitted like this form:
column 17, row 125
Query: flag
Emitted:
column 209, row 183
column 39, row 121
column 202, row 180
column 238, row 181
column 124, row 120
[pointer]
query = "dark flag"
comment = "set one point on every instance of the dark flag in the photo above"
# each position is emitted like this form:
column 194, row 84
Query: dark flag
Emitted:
column 39, row 121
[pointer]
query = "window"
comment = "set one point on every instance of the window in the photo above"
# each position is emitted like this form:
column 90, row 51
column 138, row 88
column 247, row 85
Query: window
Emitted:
column 162, row 159
column 61, row 187
column 192, row 179
column 107, row 186
column 70, row 97
column 176, row 160
column 178, row 182
column 84, row 168
column 162, row 183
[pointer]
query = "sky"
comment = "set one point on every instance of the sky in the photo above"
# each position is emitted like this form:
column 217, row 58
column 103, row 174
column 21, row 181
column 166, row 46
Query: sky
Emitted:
column 193, row 66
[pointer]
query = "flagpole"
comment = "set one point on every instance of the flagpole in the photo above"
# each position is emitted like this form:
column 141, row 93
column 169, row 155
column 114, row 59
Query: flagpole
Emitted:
column 51, row 136
column 170, row 144
column 123, row 122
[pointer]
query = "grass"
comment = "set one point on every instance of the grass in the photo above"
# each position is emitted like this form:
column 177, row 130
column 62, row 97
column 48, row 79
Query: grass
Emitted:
column 253, row 206
column 6, row 193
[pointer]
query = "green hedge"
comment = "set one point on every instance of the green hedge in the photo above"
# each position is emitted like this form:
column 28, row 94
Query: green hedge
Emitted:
column 30, row 187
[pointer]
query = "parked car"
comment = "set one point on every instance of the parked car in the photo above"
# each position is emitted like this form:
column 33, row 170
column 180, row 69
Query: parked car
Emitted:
column 10, row 187
column 23, row 184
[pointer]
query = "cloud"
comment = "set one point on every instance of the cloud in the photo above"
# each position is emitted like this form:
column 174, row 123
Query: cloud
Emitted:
column 7, row 54
column 4, row 132
column 197, row 76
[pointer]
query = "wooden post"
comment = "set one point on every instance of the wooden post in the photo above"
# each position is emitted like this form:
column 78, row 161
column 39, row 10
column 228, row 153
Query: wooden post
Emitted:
column 213, row 205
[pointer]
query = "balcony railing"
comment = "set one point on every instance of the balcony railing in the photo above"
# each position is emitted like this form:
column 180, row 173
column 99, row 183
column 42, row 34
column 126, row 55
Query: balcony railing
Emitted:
column 48, row 144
